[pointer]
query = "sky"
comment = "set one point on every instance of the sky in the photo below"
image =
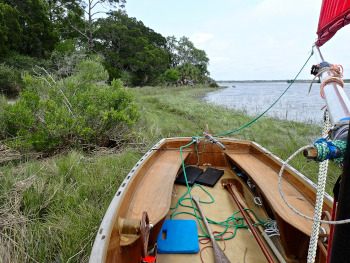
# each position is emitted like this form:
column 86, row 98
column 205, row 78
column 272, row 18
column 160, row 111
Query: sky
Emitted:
column 247, row 39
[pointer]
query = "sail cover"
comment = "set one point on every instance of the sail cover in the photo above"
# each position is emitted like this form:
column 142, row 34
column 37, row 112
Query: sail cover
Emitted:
column 334, row 15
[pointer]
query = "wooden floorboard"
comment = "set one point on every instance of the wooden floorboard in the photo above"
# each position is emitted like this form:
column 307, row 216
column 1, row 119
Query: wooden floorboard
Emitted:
column 242, row 248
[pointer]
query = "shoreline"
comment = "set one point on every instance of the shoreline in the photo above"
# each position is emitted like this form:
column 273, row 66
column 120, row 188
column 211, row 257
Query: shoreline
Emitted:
column 273, row 81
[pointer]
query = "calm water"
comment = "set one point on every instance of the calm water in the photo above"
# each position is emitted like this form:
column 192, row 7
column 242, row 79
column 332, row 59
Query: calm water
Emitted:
column 255, row 98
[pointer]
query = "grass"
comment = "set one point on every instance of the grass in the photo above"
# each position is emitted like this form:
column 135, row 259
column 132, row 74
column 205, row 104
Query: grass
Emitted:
column 50, row 209
column 179, row 111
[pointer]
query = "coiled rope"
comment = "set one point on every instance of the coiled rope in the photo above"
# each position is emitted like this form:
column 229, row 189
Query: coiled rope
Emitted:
column 337, row 71
column 345, row 221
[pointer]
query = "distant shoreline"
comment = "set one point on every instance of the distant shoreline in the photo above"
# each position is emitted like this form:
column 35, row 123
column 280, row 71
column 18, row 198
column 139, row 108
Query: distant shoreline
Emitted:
column 269, row 81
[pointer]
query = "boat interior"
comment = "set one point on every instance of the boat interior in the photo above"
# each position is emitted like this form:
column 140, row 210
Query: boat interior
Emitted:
column 252, row 174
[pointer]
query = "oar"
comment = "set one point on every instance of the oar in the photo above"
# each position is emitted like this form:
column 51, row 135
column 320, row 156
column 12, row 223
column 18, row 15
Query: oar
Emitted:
column 227, row 183
column 236, row 187
column 219, row 256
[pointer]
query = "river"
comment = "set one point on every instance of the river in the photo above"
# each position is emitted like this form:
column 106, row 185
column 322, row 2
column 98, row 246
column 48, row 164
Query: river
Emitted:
column 254, row 98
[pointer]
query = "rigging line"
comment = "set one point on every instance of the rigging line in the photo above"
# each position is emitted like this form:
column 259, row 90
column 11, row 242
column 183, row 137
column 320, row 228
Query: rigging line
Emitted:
column 255, row 119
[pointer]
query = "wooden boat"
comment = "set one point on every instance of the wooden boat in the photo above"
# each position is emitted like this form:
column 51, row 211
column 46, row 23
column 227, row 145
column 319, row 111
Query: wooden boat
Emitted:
column 133, row 226
column 150, row 188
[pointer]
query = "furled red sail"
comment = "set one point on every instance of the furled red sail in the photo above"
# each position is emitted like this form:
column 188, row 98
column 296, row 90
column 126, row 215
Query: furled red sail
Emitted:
column 334, row 15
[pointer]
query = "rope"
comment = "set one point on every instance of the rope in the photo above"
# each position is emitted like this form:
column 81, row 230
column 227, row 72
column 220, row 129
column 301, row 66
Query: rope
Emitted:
column 345, row 221
column 273, row 104
column 206, row 240
column 325, row 150
column 336, row 77
column 322, row 176
column 237, row 222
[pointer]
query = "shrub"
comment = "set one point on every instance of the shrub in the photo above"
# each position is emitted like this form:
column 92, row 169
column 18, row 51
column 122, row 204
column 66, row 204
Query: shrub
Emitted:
column 214, row 85
column 23, row 62
column 80, row 109
column 65, row 57
column 10, row 80
column 171, row 75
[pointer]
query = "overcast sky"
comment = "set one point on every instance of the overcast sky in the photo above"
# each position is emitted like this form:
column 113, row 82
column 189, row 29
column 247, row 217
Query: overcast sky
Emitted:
column 246, row 39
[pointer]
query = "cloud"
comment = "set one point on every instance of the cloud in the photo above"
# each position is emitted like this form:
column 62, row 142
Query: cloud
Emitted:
column 198, row 38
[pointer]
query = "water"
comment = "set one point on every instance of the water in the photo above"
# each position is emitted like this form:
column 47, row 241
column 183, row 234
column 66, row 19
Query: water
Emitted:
column 254, row 98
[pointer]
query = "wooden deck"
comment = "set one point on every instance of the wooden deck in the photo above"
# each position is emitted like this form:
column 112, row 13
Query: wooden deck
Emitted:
column 153, row 193
column 266, row 179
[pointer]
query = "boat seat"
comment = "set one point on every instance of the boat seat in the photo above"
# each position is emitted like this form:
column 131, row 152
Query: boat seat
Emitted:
column 266, row 179
column 153, row 193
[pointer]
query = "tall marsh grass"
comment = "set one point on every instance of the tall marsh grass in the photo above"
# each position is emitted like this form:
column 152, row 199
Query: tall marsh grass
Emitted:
column 50, row 210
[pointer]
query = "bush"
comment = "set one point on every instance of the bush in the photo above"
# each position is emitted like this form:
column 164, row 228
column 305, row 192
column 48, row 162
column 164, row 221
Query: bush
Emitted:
column 214, row 85
column 24, row 63
column 65, row 57
column 80, row 109
column 10, row 80
column 3, row 103
column 171, row 75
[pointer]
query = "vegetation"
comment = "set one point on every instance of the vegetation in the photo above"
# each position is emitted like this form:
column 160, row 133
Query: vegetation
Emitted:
column 51, row 114
column 42, row 30
column 51, row 208
column 70, row 72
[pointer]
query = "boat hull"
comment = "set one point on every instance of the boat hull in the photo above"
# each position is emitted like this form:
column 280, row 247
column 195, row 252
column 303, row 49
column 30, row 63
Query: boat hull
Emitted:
column 149, row 187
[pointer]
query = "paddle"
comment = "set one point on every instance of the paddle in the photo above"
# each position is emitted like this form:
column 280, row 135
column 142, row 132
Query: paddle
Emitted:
column 239, row 200
column 219, row 256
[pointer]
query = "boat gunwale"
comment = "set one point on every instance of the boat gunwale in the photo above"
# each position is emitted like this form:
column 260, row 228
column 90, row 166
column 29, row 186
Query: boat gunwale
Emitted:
column 99, row 249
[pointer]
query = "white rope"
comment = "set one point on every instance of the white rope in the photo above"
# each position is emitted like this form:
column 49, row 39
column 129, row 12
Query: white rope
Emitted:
column 322, row 177
column 319, row 198
column 272, row 229
column 289, row 205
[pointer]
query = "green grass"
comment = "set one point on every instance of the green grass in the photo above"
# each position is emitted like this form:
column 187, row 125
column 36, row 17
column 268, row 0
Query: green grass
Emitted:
column 50, row 209
column 179, row 111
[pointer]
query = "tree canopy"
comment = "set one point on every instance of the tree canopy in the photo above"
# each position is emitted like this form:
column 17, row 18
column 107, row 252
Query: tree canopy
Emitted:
column 132, row 51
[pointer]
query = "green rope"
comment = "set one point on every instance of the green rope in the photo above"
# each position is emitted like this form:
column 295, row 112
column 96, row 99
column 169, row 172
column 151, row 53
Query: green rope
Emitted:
column 254, row 120
column 237, row 222
column 323, row 151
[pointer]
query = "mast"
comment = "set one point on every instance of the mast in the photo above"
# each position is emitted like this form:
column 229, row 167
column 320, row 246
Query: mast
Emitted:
column 338, row 104
column 340, row 251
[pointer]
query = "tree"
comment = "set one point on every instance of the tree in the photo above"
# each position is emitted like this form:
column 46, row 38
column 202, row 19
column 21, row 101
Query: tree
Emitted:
column 10, row 31
column 38, row 34
column 172, row 46
column 188, row 53
column 129, row 46
column 67, row 17
column 188, row 72
column 171, row 75
column 192, row 63
column 91, row 5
